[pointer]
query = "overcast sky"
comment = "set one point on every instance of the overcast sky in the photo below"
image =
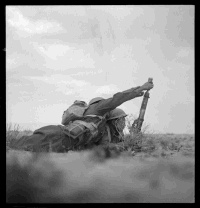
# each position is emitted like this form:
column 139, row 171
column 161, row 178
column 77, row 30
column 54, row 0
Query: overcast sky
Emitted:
column 58, row 54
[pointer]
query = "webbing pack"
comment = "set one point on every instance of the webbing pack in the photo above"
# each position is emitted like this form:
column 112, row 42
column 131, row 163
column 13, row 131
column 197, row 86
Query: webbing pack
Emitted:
column 74, row 112
column 78, row 128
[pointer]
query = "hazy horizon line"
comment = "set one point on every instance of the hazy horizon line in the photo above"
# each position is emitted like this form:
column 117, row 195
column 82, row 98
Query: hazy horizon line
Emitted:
column 27, row 126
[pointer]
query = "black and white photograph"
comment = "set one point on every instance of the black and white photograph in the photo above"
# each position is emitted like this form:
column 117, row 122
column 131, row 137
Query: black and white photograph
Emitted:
column 100, row 104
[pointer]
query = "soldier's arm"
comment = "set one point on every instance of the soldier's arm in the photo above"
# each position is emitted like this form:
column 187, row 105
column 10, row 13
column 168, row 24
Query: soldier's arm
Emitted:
column 118, row 98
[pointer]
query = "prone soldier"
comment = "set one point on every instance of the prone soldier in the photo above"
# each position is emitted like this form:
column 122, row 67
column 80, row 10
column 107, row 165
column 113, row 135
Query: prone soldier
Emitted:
column 80, row 134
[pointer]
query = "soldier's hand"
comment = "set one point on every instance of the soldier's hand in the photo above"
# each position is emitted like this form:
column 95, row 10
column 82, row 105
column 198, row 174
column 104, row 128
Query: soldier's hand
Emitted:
column 140, row 94
column 147, row 86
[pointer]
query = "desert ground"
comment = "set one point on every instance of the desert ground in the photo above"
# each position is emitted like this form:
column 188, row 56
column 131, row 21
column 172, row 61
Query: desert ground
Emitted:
column 161, row 171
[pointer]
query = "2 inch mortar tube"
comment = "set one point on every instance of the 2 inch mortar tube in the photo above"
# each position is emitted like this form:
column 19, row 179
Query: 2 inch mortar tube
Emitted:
column 144, row 102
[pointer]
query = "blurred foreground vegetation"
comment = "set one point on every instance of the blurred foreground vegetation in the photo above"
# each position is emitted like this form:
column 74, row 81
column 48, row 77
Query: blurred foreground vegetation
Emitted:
column 144, row 168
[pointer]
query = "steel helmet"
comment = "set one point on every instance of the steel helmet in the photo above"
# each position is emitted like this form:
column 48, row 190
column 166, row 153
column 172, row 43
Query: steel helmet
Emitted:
column 94, row 100
column 80, row 102
column 117, row 113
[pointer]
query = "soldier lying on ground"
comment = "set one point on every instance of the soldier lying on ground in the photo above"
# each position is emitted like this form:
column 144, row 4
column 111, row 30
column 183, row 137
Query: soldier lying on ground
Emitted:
column 81, row 134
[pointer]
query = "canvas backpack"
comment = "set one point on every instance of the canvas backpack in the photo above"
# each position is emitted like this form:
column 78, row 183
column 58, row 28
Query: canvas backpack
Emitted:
column 88, row 130
column 74, row 112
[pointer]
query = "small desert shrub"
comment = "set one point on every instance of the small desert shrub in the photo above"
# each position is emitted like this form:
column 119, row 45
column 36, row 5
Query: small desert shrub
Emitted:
column 148, row 145
column 164, row 144
column 134, row 141
column 13, row 132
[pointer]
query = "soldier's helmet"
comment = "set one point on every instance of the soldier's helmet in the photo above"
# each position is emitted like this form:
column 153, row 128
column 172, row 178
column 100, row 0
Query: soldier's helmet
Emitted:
column 94, row 100
column 117, row 113
column 80, row 102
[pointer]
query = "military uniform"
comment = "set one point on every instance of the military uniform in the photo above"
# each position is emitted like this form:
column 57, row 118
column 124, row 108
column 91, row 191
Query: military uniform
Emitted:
column 53, row 137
